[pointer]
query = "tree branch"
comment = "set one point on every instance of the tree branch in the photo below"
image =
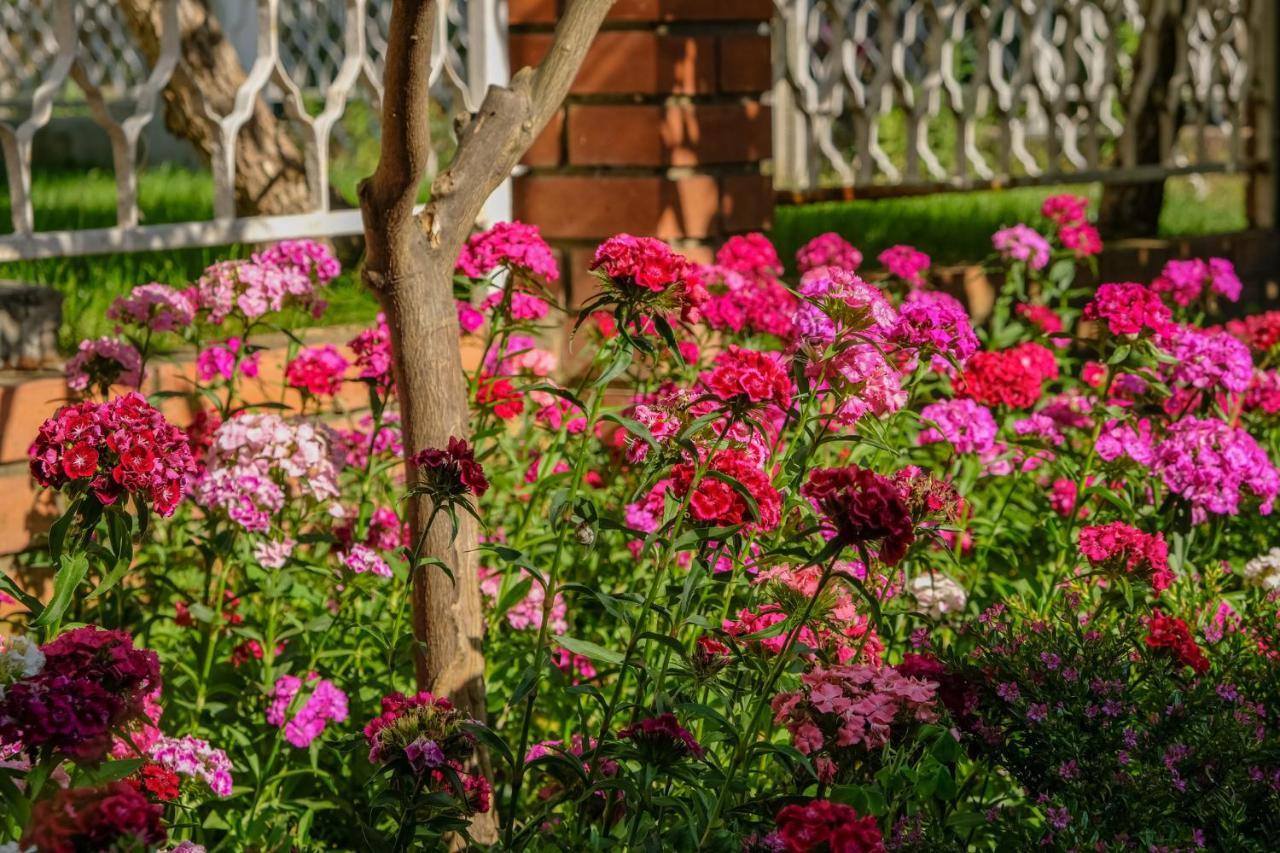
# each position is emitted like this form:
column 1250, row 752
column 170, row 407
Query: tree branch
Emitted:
column 509, row 120
column 387, row 197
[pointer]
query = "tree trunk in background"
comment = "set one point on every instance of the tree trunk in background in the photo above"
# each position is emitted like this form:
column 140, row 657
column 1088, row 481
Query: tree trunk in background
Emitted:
column 1132, row 208
column 409, row 265
column 270, row 175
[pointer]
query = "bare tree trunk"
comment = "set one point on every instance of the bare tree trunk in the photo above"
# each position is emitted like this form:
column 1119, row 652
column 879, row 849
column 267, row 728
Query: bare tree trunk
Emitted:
column 270, row 175
column 409, row 264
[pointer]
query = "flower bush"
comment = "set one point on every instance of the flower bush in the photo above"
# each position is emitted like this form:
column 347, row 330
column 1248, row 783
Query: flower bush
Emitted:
column 783, row 563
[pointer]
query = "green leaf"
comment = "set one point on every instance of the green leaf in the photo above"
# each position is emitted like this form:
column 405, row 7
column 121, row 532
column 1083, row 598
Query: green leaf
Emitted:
column 69, row 576
column 634, row 427
column 590, row 650
column 58, row 532
column 29, row 601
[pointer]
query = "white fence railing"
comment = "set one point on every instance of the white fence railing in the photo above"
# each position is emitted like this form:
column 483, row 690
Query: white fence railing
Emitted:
column 314, row 57
column 964, row 93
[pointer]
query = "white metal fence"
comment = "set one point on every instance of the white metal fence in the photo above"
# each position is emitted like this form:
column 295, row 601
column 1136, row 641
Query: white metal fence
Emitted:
column 964, row 93
column 314, row 57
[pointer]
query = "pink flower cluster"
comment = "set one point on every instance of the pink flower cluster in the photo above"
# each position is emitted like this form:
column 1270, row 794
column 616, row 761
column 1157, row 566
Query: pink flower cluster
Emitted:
column 268, row 282
column 836, row 300
column 967, row 425
column 155, row 306
column 736, row 302
column 1211, row 464
column 937, row 325
column 1209, row 360
column 308, row 257
column 508, row 244
column 1129, row 309
column 520, row 306
column 1190, row 280
column 841, row 708
column 525, row 614
column 1070, row 214
column 751, row 255
column 828, row 250
column 317, row 370
column 360, row 558
column 907, row 263
column 102, row 363
column 372, row 349
column 1119, row 547
column 325, row 704
column 255, row 458
column 750, row 377
column 118, row 448
column 225, row 360
column 1024, row 244
column 190, row 756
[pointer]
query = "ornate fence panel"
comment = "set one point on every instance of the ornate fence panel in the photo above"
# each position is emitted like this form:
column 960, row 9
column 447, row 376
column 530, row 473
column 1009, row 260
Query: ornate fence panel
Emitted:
column 937, row 94
column 312, row 57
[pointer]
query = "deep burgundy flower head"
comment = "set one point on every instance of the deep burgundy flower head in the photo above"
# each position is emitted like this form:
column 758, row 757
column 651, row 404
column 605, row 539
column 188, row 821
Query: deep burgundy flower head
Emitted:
column 92, row 683
column 746, row 376
column 821, row 825
column 113, row 817
column 451, row 472
column 861, row 506
column 662, row 739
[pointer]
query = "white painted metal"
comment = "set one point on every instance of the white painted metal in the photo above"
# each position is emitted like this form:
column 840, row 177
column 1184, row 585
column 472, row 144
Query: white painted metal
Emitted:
column 307, row 53
column 1029, row 90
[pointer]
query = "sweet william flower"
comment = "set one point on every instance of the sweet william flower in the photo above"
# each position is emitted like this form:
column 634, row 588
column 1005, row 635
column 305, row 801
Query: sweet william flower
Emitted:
column 821, row 825
column 860, row 506
column 450, row 472
column 1129, row 310
column 828, row 250
column 717, row 503
column 907, row 263
column 743, row 376
column 114, row 816
column 662, row 740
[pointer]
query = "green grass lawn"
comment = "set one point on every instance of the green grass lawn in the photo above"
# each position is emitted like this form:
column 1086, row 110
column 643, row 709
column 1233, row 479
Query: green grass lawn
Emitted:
column 951, row 227
column 166, row 194
column 957, row 227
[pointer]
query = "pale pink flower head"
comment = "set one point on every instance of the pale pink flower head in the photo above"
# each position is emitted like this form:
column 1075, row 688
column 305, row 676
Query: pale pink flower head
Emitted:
column 1024, row 244
column 835, row 299
column 102, row 363
column 155, row 306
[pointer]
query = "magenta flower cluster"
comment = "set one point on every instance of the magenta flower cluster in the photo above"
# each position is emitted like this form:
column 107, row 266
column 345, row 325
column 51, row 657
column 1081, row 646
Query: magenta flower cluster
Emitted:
column 508, row 244
column 326, row 703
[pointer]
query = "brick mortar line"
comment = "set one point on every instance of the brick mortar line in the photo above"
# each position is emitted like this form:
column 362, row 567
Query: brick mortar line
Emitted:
column 742, row 26
column 670, row 173
column 622, row 99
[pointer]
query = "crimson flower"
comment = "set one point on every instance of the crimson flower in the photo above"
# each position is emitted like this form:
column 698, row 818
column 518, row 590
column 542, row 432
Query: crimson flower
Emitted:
column 824, row 825
column 1172, row 634
column 747, row 376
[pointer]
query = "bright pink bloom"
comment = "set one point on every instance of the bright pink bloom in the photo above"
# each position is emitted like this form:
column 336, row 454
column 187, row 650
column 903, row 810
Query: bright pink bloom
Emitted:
column 828, row 250
column 317, row 370
column 508, row 244
column 906, row 263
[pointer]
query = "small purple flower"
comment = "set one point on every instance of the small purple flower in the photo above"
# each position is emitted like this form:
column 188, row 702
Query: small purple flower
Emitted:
column 1008, row 691
column 424, row 754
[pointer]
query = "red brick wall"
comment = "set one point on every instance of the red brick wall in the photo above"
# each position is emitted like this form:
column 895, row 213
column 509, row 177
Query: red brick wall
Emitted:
column 663, row 132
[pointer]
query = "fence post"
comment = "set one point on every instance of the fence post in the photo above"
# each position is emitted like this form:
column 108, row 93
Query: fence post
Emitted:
column 791, row 143
column 1263, row 200
column 488, row 65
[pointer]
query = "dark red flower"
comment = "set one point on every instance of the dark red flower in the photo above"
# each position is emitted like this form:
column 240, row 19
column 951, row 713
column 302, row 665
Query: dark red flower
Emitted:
column 862, row 506
column 158, row 781
column 662, row 739
column 821, row 825
column 501, row 396
column 1173, row 635
column 114, row 817
column 451, row 472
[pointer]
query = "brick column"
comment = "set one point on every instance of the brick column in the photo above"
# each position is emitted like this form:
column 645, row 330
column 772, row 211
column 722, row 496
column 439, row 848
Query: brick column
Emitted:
column 663, row 133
